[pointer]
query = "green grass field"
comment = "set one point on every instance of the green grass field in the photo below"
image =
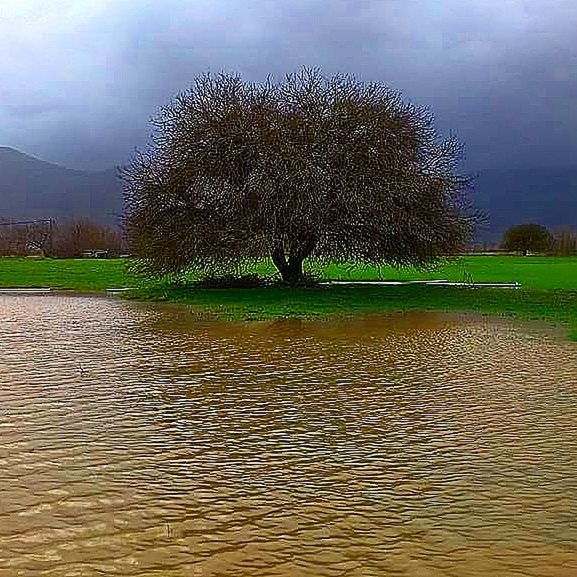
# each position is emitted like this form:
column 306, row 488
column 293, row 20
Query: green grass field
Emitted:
column 98, row 275
column 549, row 288
column 87, row 275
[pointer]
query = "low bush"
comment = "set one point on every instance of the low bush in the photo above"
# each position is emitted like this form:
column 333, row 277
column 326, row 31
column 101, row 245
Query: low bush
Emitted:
column 231, row 281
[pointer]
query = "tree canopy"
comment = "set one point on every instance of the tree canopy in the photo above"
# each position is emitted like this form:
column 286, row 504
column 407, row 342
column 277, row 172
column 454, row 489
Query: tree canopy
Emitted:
column 528, row 238
column 327, row 168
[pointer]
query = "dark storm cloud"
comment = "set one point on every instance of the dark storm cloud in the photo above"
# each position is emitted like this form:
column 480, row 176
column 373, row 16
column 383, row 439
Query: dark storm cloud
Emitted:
column 80, row 78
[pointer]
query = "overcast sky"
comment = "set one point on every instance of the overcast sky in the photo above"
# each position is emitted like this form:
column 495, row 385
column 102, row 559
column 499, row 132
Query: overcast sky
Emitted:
column 81, row 78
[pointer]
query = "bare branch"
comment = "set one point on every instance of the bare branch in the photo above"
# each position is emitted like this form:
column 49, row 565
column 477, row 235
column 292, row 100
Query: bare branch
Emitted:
column 309, row 167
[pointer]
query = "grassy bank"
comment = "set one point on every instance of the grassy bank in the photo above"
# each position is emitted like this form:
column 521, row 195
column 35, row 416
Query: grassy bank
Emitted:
column 549, row 289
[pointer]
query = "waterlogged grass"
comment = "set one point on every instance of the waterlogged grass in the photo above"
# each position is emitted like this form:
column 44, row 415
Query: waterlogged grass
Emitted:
column 557, row 306
column 549, row 289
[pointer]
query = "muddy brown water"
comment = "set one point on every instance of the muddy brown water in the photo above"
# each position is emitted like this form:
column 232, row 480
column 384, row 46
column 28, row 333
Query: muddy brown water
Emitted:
column 136, row 440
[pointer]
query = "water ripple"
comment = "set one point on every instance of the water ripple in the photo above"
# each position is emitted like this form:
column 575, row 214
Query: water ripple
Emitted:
column 137, row 441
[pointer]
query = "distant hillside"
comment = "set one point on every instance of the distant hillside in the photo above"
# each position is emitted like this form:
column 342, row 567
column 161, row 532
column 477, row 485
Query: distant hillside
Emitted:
column 32, row 188
column 547, row 196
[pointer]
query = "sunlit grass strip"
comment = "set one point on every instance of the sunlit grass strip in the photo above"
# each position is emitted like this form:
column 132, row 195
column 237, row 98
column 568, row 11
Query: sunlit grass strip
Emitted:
column 99, row 275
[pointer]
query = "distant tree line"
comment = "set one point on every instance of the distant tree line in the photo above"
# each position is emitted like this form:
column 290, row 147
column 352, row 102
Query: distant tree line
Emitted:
column 60, row 239
column 564, row 242
column 76, row 238
column 534, row 238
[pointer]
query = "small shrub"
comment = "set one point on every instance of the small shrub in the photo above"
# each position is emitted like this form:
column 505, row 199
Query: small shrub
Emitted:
column 307, row 280
column 231, row 281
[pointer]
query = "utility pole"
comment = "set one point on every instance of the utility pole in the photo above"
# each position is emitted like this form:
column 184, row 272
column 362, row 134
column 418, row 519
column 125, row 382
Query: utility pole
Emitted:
column 48, row 221
column 50, row 229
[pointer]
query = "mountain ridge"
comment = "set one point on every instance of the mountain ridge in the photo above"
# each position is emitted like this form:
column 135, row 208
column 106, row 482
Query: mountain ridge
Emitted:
column 34, row 188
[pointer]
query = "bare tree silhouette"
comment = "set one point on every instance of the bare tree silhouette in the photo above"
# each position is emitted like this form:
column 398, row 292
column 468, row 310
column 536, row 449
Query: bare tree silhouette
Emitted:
column 313, row 167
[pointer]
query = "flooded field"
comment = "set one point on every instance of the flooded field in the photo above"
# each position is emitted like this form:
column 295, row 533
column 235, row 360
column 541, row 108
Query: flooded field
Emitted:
column 138, row 441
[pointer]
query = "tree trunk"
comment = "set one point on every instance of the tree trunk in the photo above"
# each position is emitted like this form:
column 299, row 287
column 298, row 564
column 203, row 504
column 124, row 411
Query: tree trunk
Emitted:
column 291, row 268
column 293, row 273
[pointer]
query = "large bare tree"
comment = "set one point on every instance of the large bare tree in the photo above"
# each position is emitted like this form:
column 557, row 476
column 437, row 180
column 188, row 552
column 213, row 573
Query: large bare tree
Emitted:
column 327, row 168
